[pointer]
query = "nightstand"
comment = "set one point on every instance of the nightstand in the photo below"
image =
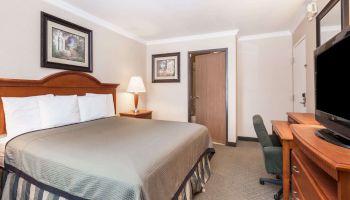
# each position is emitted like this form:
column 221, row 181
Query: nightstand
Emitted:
column 144, row 114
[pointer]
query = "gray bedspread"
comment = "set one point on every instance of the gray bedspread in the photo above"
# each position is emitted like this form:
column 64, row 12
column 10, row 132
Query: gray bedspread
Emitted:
column 112, row 158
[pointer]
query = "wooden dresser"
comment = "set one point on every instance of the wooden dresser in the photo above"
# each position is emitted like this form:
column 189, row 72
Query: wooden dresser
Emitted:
column 282, row 129
column 320, row 170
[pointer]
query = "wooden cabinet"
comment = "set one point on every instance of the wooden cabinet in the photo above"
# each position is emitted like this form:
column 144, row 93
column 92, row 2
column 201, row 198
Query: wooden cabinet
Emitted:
column 144, row 114
column 320, row 170
column 302, row 118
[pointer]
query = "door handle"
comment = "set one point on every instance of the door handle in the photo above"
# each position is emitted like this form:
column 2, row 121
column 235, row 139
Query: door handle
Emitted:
column 295, row 196
column 304, row 99
column 295, row 169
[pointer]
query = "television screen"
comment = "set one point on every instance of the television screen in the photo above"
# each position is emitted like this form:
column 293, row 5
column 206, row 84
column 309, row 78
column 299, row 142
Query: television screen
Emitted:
column 333, row 80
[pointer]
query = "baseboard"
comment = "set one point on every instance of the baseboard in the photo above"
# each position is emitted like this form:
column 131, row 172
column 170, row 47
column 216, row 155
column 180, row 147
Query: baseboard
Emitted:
column 231, row 144
column 249, row 139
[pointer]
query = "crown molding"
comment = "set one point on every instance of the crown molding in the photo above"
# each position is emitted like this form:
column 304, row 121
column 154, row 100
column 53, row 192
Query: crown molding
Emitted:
column 194, row 37
column 264, row 35
column 83, row 14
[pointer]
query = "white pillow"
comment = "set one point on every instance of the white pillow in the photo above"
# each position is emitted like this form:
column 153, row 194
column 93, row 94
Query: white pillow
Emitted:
column 92, row 107
column 59, row 111
column 22, row 114
column 110, row 103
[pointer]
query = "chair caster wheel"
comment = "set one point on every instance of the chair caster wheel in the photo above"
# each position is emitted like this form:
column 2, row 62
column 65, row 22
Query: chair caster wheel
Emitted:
column 276, row 197
column 261, row 182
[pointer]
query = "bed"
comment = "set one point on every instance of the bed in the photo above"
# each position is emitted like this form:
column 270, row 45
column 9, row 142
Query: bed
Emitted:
column 107, row 158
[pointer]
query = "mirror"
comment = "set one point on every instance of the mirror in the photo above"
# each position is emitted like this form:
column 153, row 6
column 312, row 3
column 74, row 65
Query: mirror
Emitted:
column 329, row 22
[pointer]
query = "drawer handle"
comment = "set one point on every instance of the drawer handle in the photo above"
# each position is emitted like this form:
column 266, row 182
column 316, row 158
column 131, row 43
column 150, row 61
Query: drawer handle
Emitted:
column 295, row 169
column 295, row 196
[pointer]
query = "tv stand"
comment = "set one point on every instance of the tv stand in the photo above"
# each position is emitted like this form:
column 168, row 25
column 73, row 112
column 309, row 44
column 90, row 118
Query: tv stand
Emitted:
column 333, row 138
column 320, row 170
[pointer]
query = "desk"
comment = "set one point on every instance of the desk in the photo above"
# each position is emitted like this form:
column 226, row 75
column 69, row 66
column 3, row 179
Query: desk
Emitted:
column 302, row 118
column 283, row 131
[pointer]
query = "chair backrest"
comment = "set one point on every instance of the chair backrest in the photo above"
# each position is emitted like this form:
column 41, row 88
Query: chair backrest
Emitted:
column 261, row 132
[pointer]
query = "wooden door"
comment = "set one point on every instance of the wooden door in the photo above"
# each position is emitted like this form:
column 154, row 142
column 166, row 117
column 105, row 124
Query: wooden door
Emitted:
column 299, row 77
column 210, row 94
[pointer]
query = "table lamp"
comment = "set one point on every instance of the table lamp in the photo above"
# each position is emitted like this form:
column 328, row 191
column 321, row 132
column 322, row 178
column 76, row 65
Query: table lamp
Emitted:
column 136, row 86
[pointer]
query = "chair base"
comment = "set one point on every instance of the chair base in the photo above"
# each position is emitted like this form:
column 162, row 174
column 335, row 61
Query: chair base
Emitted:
column 278, row 195
column 262, row 181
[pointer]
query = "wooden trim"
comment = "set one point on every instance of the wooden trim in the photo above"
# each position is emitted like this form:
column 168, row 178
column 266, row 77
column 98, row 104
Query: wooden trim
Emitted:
column 189, row 84
column 231, row 144
column 63, row 83
column 248, row 139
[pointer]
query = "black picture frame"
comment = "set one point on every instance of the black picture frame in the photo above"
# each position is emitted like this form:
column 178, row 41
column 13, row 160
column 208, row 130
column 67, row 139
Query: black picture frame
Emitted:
column 45, row 18
column 176, row 79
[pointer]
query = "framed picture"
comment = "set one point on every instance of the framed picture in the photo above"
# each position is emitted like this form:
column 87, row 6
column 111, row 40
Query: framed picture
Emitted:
column 65, row 45
column 166, row 68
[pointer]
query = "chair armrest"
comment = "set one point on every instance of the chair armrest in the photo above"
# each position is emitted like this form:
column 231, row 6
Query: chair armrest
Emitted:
column 275, row 140
column 273, row 160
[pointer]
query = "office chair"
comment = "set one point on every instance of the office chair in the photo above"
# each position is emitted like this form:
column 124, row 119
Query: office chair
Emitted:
column 272, row 152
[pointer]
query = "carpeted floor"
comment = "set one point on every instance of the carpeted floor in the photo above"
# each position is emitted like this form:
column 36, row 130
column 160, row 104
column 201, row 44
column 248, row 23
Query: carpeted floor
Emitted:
column 235, row 174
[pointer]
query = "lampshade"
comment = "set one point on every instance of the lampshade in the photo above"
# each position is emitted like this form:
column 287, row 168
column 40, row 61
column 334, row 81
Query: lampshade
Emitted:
column 136, row 85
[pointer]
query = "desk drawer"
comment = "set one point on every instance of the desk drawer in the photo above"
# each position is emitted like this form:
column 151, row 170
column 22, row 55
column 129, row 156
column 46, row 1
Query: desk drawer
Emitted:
column 296, row 192
column 303, row 179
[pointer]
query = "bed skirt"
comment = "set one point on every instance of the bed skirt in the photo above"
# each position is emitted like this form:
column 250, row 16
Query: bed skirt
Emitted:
column 196, row 179
column 14, row 187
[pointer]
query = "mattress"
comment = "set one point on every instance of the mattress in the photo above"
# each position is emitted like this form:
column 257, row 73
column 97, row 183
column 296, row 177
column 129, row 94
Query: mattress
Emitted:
column 112, row 158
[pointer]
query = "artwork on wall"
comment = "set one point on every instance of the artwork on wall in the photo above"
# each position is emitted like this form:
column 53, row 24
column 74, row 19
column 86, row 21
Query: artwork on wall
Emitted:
column 65, row 45
column 166, row 68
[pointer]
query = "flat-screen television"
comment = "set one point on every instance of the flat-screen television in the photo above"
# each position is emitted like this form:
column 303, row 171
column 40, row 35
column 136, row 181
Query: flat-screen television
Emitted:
column 332, row 85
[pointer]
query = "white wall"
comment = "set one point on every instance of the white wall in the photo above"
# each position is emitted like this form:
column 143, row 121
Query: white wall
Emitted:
column 169, row 100
column 264, row 81
column 116, row 58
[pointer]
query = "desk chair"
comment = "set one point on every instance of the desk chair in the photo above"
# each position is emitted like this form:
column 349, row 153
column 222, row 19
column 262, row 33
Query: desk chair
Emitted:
column 272, row 151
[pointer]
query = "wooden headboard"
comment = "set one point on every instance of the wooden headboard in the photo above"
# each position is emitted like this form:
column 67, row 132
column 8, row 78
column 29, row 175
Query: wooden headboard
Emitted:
column 63, row 83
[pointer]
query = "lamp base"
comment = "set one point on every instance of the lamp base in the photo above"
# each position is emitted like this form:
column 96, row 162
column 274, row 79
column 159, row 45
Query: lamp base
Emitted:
column 136, row 102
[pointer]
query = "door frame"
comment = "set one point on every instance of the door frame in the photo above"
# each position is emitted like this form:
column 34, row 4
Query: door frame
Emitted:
column 189, row 84
column 303, row 38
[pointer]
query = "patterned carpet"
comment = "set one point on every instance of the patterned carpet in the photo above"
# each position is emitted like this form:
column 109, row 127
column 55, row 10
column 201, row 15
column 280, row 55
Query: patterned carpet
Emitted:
column 236, row 173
